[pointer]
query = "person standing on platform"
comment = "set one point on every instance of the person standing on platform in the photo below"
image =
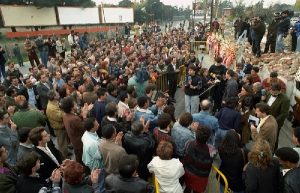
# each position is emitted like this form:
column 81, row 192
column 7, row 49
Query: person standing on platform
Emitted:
column 192, row 90
column 172, row 71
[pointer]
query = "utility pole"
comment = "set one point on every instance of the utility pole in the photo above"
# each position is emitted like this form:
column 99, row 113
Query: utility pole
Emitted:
column 211, row 13
column 205, row 11
column 194, row 14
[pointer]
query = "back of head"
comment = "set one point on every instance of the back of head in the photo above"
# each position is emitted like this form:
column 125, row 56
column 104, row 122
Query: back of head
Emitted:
column 27, row 162
column 67, row 104
column 111, row 109
column 202, row 134
column 231, row 143
column 141, row 101
column 137, row 128
column 232, row 102
column 164, row 150
column 23, row 134
column 186, row 119
column 260, row 155
column 108, row 131
column 164, row 120
column 89, row 123
column 205, row 105
column 51, row 95
column 128, row 165
column 73, row 173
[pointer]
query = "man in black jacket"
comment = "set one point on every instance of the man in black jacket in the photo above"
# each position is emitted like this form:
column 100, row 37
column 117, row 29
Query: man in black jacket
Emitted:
column 139, row 142
column 259, row 29
column 272, row 34
column 172, row 71
column 231, row 89
column 127, row 181
column 282, row 30
column 193, row 84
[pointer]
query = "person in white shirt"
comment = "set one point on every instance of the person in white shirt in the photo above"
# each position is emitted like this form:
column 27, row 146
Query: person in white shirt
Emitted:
column 91, row 156
column 167, row 170
column 71, row 39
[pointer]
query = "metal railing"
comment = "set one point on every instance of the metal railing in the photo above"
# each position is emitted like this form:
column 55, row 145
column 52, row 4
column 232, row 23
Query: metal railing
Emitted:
column 198, row 46
column 155, row 183
column 162, row 80
column 214, row 181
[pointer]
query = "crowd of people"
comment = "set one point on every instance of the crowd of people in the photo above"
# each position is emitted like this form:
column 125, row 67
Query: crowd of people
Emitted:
column 113, row 128
column 281, row 36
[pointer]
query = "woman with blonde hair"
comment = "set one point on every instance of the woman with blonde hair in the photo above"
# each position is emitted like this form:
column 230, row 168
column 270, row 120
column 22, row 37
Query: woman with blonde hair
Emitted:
column 262, row 174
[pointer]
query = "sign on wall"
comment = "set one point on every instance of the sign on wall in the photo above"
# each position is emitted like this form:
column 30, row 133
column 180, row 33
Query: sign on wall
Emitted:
column 14, row 16
column 78, row 16
column 117, row 15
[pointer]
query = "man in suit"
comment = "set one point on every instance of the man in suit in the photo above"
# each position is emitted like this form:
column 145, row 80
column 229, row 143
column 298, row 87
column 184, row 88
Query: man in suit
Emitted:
column 279, row 104
column 231, row 89
column 50, row 158
column 43, row 88
column 172, row 71
column 267, row 128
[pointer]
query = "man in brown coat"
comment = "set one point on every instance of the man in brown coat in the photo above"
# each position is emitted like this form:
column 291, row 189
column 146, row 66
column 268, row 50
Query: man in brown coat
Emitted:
column 111, row 148
column 267, row 128
column 74, row 124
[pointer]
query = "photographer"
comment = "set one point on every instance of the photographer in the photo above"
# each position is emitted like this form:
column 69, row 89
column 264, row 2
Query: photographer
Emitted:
column 259, row 29
column 272, row 33
column 283, row 27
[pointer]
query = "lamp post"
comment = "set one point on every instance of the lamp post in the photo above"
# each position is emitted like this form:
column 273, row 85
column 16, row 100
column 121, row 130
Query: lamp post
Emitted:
column 211, row 13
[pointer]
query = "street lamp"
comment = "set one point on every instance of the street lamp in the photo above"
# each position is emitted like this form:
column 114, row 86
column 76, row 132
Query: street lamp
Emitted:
column 211, row 13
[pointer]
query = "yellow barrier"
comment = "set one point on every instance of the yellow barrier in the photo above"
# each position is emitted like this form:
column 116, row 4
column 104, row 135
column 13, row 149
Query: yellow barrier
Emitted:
column 213, row 178
column 198, row 46
column 155, row 183
column 162, row 80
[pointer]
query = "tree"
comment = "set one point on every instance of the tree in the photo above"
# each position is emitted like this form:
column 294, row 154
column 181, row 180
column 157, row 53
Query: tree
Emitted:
column 297, row 5
column 224, row 4
column 239, row 9
column 125, row 3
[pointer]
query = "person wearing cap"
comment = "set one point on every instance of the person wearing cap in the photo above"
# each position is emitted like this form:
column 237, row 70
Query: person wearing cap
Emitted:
column 282, row 30
column 272, row 34
column 193, row 84
column 273, row 79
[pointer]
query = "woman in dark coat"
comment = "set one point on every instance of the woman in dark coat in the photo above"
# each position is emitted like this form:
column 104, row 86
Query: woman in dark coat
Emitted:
column 233, row 159
column 262, row 173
